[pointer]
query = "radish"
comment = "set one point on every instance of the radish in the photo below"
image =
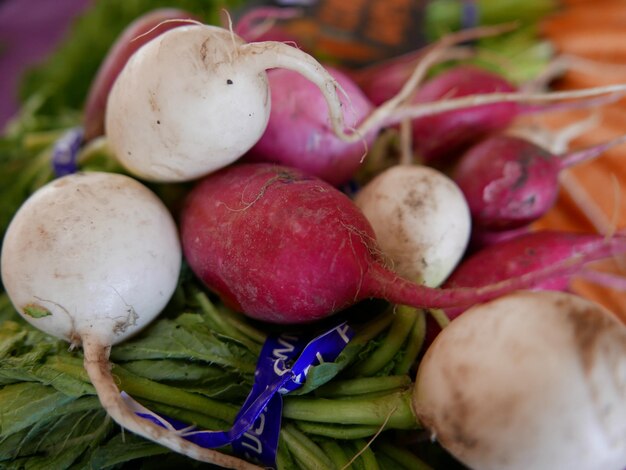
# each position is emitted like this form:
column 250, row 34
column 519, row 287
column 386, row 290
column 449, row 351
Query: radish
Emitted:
column 530, row 380
column 510, row 182
column 421, row 220
column 310, row 144
column 139, row 32
column 524, row 253
column 286, row 248
column 440, row 137
column 92, row 258
column 196, row 98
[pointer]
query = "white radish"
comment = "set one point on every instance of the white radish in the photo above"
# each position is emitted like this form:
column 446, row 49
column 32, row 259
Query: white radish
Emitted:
column 92, row 258
column 532, row 380
column 196, row 98
column 421, row 220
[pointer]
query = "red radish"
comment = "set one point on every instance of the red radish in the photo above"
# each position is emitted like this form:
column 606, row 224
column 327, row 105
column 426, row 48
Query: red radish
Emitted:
column 286, row 248
column 139, row 32
column 510, row 182
column 438, row 136
column 310, row 144
column 526, row 253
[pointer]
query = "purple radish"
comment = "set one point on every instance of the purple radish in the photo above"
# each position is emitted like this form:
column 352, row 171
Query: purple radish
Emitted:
column 510, row 182
column 526, row 253
column 284, row 247
column 139, row 32
column 310, row 143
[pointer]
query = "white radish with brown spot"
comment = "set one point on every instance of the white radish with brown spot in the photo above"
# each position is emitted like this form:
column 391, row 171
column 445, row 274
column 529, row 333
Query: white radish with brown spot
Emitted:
column 92, row 258
column 530, row 380
column 421, row 220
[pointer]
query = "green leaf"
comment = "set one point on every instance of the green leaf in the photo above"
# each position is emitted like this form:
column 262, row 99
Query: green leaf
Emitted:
column 36, row 311
column 187, row 337
column 121, row 449
column 23, row 404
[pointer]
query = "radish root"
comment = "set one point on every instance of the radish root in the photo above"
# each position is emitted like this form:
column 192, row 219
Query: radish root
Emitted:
column 98, row 368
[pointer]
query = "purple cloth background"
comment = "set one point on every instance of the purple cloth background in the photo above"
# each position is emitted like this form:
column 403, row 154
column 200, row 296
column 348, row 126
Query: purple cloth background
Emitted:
column 29, row 30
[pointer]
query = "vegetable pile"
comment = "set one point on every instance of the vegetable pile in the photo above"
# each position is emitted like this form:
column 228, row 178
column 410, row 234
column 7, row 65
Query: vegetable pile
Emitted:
column 227, row 251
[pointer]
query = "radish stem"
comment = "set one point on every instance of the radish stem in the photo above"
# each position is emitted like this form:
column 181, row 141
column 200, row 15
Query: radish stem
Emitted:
column 370, row 411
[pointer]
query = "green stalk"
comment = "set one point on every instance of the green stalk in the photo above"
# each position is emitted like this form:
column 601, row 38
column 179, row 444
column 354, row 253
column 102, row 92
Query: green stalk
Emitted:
column 440, row 317
column 142, row 388
column 38, row 140
column 367, row 456
column 239, row 322
column 414, row 344
column 337, row 431
column 363, row 385
column 308, row 454
column 403, row 321
column 335, row 453
column 392, row 410
column 402, row 456
column 219, row 324
column 195, row 417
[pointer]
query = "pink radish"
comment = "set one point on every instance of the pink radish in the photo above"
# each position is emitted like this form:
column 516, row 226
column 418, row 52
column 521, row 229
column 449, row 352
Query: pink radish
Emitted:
column 510, row 182
column 139, row 32
column 525, row 253
column 310, row 144
column 286, row 248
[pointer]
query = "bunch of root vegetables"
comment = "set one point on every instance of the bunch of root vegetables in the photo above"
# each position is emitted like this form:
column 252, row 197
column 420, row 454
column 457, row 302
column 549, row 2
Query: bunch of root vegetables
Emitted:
column 308, row 190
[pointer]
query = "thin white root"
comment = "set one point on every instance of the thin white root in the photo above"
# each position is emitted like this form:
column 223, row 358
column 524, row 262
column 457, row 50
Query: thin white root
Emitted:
column 428, row 109
column 273, row 54
column 98, row 368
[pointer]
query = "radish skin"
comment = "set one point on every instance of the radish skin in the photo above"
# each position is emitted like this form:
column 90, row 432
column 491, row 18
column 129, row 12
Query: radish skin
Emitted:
column 510, row 182
column 530, row 380
column 421, row 220
column 92, row 258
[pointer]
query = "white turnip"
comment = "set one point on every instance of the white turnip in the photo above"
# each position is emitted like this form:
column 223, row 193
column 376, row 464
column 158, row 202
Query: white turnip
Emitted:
column 530, row 380
column 421, row 220
column 92, row 258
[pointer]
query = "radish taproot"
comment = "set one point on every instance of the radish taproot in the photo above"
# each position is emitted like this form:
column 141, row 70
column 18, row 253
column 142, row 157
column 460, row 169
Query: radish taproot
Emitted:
column 136, row 34
column 421, row 220
column 92, row 258
column 284, row 247
column 510, row 182
column 530, row 380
